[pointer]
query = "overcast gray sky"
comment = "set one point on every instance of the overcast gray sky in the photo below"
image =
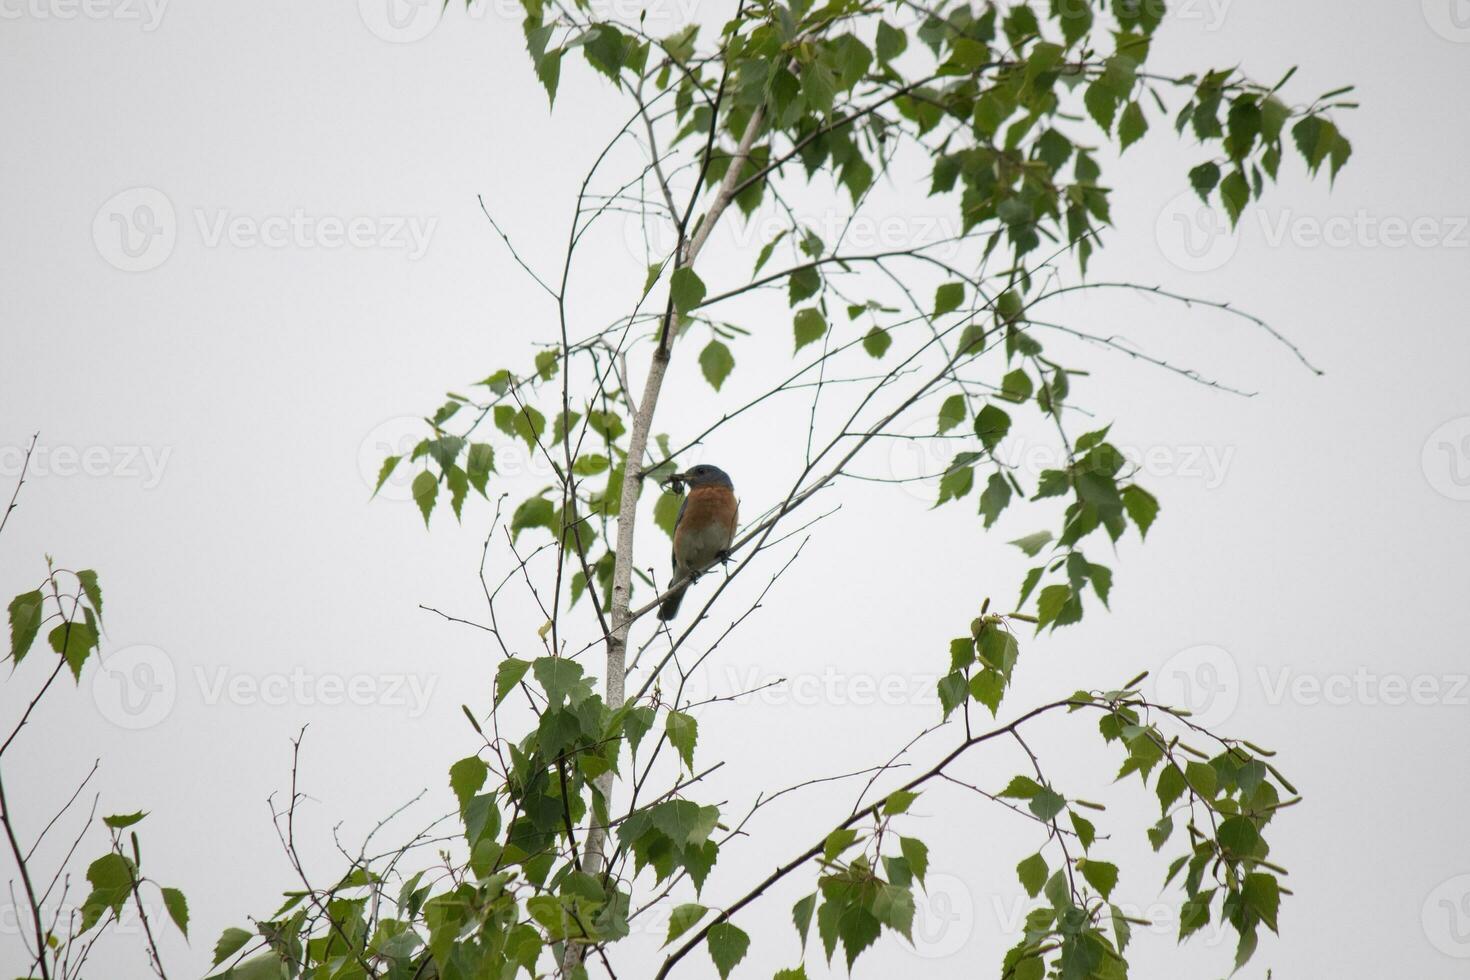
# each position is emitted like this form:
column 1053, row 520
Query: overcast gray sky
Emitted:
column 214, row 396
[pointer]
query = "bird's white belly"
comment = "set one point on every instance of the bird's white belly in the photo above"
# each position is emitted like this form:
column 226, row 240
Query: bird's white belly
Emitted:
column 701, row 548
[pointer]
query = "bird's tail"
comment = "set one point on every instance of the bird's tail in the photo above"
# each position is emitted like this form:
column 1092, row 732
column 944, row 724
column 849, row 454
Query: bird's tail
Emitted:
column 670, row 607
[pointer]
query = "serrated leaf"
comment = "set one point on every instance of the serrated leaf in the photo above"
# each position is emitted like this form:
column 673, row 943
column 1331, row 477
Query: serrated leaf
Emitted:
column 948, row 297
column 727, row 946
column 1100, row 875
column 425, row 492
column 683, row 918
column 507, row 676
column 120, row 820
column 683, row 733
column 1032, row 873
column 809, row 326
column 178, row 909
column 230, row 942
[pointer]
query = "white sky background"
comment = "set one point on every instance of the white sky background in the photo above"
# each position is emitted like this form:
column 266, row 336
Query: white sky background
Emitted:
column 231, row 403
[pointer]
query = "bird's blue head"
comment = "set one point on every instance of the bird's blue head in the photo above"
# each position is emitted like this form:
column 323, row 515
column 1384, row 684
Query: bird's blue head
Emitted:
column 705, row 475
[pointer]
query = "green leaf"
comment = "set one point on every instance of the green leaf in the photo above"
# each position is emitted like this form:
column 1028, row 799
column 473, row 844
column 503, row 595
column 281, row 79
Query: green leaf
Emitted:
column 1261, row 893
column 666, row 512
column 801, row 916
column 1033, row 543
column 898, row 802
column 809, row 326
column 916, row 853
column 994, row 499
column 991, row 425
column 1047, row 803
column 231, row 941
column 120, row 820
column 88, row 578
column 1132, row 126
column 955, row 483
column 1021, row 788
column 953, row 690
column 837, row 841
column 1016, row 386
column 727, row 946
column 1141, row 506
column 1086, row 832
column 1203, row 179
column 685, row 822
column 682, row 918
column 561, row 679
column 891, row 41
column 1195, row 914
column 795, row 973
column 479, row 464
column 858, row 928
column 683, row 733
column 507, row 676
column 75, row 642
column 876, row 342
column 894, row 907
column 425, row 491
column 178, row 909
column 686, row 289
column 1100, row 875
column 1032, row 872
column 948, row 297
column 952, row 413
column 466, row 777
column 716, row 362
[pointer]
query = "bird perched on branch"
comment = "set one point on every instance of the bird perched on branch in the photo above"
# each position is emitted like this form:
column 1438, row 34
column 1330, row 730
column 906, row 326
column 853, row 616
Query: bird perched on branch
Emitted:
column 703, row 531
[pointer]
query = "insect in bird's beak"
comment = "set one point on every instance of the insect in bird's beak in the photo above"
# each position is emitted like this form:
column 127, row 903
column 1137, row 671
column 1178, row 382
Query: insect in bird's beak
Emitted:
column 676, row 481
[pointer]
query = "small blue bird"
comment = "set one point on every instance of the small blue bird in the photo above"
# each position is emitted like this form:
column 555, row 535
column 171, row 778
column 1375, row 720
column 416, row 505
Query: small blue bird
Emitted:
column 703, row 531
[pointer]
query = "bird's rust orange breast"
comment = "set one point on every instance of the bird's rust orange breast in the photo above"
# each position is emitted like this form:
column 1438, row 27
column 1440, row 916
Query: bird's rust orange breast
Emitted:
column 711, row 505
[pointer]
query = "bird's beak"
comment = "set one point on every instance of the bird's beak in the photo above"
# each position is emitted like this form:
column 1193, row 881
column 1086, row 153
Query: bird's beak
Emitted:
column 679, row 476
